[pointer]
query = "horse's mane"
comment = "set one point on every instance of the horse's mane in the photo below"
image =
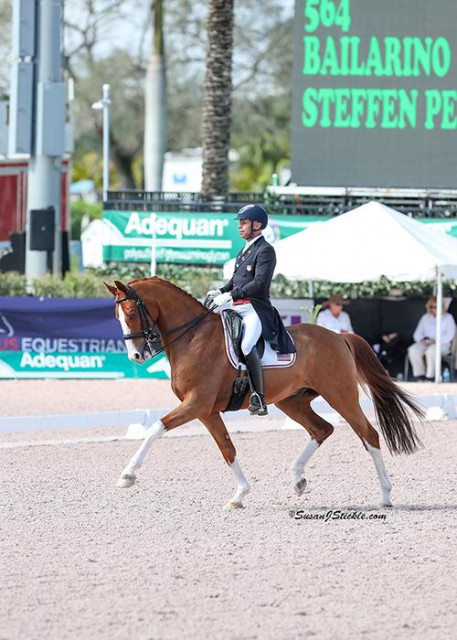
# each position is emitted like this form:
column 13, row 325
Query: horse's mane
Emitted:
column 167, row 283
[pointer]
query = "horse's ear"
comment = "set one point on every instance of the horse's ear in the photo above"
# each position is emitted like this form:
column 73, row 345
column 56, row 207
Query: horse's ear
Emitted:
column 120, row 286
column 110, row 288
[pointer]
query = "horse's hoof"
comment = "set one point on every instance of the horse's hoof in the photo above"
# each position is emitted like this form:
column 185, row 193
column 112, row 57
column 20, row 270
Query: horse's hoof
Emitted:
column 125, row 482
column 385, row 499
column 300, row 487
column 231, row 504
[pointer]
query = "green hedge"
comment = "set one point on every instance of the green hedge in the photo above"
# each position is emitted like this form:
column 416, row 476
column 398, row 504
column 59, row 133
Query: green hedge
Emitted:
column 197, row 280
column 90, row 284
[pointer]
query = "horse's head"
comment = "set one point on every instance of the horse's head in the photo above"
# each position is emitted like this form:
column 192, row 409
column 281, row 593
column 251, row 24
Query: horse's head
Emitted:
column 137, row 321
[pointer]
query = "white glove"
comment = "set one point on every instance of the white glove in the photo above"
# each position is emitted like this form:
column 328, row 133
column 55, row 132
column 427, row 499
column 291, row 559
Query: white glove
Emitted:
column 222, row 299
column 212, row 293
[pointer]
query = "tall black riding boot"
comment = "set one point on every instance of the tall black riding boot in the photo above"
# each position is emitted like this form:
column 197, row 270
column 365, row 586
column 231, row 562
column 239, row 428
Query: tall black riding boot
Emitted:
column 257, row 404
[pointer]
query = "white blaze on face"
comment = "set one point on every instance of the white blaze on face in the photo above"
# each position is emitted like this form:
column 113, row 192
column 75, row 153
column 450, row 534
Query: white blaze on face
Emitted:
column 132, row 352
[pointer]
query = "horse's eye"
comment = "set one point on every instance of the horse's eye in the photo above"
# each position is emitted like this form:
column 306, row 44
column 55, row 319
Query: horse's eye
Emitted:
column 132, row 315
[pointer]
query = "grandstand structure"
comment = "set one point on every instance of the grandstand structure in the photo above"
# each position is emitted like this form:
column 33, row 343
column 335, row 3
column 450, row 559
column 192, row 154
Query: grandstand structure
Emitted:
column 293, row 200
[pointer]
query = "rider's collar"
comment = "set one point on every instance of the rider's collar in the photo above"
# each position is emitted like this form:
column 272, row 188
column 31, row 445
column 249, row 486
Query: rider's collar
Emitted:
column 250, row 243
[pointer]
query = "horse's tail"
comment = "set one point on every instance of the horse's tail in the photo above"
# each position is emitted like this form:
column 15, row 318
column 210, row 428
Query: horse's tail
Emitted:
column 390, row 401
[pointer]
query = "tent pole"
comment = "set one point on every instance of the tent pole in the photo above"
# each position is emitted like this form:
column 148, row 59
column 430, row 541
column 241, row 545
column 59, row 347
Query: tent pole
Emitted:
column 439, row 314
column 310, row 289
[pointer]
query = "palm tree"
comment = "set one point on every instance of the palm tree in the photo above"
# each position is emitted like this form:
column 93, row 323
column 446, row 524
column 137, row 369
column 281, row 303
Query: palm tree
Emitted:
column 155, row 130
column 217, row 98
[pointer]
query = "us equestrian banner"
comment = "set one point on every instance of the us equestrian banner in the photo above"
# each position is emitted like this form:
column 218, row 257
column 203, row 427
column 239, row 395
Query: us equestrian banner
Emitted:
column 185, row 238
column 66, row 338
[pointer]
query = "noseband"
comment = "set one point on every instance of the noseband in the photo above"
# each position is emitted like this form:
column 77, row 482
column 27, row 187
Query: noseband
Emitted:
column 150, row 334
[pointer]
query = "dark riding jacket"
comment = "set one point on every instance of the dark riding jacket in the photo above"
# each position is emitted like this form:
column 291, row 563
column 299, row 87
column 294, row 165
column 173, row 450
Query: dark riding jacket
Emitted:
column 251, row 281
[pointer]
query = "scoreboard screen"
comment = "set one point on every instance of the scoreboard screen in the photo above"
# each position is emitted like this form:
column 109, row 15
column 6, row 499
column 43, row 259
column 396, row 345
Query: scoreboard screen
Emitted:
column 375, row 93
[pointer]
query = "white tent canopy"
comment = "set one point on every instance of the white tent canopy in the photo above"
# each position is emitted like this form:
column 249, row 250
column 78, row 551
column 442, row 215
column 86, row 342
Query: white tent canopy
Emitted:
column 365, row 244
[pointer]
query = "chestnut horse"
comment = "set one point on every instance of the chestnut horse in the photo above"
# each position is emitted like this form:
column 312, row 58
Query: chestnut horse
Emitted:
column 327, row 364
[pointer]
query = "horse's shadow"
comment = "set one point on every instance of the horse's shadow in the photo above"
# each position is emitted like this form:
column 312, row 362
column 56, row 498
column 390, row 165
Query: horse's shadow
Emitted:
column 368, row 508
column 425, row 507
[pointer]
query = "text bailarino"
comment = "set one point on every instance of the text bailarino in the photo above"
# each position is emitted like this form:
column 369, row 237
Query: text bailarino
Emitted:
column 379, row 57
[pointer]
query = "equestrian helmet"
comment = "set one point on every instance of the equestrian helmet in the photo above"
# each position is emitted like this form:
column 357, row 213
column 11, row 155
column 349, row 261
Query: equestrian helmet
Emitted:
column 253, row 212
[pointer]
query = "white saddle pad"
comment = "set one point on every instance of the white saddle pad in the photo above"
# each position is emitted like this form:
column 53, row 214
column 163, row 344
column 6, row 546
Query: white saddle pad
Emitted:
column 270, row 360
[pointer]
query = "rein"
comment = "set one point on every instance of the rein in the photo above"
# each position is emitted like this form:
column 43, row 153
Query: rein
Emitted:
column 151, row 334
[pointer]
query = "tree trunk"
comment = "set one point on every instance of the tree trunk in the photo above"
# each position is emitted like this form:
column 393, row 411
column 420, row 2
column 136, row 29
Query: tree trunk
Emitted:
column 155, row 128
column 123, row 164
column 217, row 98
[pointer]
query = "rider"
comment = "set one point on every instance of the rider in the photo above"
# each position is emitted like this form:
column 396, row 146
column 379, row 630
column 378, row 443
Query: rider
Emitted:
column 249, row 293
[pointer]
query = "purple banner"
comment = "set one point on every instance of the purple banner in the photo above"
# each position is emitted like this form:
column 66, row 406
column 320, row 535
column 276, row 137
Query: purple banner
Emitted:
column 59, row 324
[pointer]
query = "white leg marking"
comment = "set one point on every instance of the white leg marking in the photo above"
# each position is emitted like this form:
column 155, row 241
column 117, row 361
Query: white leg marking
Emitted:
column 386, row 484
column 299, row 464
column 242, row 487
column 128, row 475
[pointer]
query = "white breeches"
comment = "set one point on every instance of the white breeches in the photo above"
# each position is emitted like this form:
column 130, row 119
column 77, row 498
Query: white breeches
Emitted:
column 417, row 352
column 252, row 326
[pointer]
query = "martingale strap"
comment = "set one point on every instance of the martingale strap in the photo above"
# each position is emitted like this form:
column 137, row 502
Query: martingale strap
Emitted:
column 150, row 333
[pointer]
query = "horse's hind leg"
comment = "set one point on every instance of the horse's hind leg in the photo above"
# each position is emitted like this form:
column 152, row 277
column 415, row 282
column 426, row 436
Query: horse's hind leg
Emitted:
column 347, row 405
column 217, row 429
column 370, row 439
column 299, row 409
column 386, row 484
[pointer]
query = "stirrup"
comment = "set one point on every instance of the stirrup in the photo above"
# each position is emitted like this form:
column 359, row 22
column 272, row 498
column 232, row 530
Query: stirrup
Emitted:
column 257, row 406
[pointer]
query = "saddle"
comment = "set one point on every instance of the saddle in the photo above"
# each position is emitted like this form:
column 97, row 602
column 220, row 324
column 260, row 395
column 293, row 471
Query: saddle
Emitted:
column 234, row 325
column 233, row 330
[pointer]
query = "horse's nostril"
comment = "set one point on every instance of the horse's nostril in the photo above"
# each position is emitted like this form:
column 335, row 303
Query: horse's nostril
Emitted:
column 137, row 356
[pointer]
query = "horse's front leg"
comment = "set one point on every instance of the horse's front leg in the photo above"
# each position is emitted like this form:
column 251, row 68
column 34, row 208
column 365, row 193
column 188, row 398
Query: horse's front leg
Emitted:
column 185, row 412
column 218, row 430
column 128, row 475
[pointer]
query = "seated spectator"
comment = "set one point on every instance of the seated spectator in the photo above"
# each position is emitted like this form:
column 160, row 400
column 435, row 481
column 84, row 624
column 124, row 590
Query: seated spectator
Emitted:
column 333, row 317
column 422, row 353
column 391, row 351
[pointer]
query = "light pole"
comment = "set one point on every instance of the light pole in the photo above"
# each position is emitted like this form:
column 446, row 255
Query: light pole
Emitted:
column 153, row 268
column 104, row 104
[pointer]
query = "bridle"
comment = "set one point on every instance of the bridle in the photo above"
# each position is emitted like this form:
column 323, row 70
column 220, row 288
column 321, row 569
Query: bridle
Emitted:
column 150, row 333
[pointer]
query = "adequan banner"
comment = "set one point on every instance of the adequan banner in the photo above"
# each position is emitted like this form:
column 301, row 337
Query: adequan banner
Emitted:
column 448, row 226
column 196, row 238
column 185, row 238
column 67, row 338
column 61, row 365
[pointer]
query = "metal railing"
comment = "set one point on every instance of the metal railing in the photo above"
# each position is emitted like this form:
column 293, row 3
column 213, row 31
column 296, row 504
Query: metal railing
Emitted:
column 179, row 201
column 291, row 201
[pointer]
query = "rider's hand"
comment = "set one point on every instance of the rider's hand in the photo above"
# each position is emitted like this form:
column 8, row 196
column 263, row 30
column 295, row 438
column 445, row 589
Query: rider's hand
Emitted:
column 212, row 293
column 222, row 299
